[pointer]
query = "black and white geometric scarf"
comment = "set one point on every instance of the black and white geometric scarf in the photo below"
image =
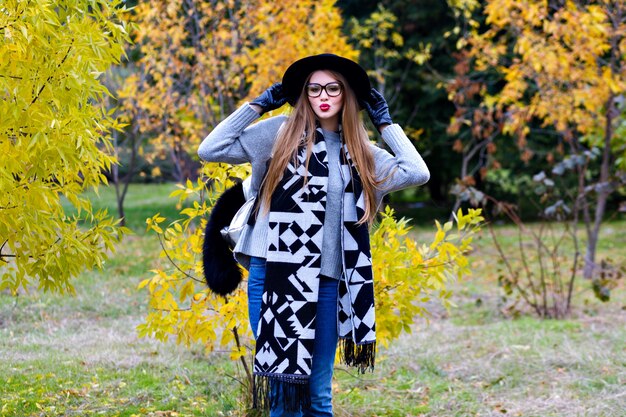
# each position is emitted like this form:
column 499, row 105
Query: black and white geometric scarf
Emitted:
column 286, row 333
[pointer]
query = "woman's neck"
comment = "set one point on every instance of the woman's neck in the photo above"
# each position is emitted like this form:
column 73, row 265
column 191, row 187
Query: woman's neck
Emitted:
column 332, row 125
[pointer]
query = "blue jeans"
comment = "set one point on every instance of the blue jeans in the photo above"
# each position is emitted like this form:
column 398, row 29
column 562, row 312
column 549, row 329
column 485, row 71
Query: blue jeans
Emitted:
column 325, row 343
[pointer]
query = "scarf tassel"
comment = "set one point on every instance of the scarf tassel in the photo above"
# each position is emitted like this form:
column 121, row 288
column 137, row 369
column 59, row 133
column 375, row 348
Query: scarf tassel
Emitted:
column 361, row 356
column 269, row 391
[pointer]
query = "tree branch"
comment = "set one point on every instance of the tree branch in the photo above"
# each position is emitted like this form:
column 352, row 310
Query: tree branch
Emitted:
column 175, row 264
column 50, row 77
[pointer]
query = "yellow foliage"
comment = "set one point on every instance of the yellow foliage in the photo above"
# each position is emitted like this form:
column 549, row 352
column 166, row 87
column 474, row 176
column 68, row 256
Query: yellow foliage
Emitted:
column 182, row 306
column 287, row 31
column 200, row 60
column 54, row 138
column 408, row 275
column 561, row 53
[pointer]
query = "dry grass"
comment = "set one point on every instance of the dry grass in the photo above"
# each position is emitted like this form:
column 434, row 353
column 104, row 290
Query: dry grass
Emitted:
column 476, row 361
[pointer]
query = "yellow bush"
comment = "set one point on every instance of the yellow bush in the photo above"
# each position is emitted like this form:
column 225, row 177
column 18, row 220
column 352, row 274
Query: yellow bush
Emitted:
column 406, row 274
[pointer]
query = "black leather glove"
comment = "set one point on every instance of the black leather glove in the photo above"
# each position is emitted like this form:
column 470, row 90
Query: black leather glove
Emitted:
column 377, row 108
column 271, row 99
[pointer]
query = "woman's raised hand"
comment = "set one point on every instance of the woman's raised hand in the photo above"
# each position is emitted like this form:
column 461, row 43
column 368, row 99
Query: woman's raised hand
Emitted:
column 378, row 109
column 271, row 99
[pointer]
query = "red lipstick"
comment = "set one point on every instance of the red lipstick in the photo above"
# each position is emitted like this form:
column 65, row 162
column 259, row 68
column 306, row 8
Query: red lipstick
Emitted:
column 324, row 107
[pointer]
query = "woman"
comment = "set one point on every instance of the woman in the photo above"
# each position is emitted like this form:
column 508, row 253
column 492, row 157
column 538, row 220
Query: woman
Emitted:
column 307, row 251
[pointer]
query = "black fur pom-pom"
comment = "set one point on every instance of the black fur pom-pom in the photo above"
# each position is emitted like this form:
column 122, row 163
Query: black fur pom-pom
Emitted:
column 221, row 271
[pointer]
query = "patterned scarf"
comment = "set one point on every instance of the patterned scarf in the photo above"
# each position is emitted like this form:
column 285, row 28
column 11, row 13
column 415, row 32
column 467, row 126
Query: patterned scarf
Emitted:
column 286, row 333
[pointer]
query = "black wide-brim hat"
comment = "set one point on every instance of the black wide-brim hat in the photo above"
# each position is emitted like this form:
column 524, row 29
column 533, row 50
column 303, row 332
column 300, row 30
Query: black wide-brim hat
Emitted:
column 298, row 72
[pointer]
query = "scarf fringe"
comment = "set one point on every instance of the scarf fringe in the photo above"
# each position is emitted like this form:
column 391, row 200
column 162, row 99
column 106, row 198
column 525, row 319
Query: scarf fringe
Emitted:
column 267, row 391
column 361, row 356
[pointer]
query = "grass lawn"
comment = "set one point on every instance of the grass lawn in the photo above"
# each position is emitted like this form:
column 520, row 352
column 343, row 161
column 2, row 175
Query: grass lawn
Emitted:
column 142, row 201
column 80, row 356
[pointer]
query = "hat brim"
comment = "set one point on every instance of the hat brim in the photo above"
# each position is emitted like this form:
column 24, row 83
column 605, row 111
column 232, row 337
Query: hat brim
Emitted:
column 298, row 72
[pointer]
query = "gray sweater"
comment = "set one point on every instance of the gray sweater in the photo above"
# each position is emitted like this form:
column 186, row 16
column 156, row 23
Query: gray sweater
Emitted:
column 236, row 140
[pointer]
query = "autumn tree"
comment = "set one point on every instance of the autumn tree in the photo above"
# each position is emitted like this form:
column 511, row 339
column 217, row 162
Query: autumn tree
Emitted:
column 54, row 138
column 195, row 61
column 562, row 65
column 200, row 59
column 178, row 86
column 475, row 127
column 174, row 88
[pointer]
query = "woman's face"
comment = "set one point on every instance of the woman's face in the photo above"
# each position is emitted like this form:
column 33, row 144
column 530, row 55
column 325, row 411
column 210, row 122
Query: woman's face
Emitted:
column 328, row 104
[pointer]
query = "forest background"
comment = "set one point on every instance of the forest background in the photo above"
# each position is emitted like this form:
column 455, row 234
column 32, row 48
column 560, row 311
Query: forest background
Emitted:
column 516, row 106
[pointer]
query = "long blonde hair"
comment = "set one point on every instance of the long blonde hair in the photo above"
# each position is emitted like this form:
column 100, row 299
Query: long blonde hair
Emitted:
column 299, row 129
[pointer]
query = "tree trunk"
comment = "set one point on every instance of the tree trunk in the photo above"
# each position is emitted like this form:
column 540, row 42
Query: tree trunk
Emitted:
column 115, row 171
column 476, row 147
column 603, row 190
column 120, row 194
column 120, row 206
column 603, row 186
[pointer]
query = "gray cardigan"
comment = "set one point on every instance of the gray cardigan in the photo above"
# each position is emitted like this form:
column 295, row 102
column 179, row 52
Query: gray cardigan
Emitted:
column 236, row 140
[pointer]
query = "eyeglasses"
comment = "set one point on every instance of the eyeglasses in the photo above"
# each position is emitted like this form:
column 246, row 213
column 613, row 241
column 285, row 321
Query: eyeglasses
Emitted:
column 315, row 90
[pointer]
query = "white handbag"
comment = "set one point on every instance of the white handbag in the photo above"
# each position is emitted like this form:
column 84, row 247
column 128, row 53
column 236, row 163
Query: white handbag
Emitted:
column 232, row 232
